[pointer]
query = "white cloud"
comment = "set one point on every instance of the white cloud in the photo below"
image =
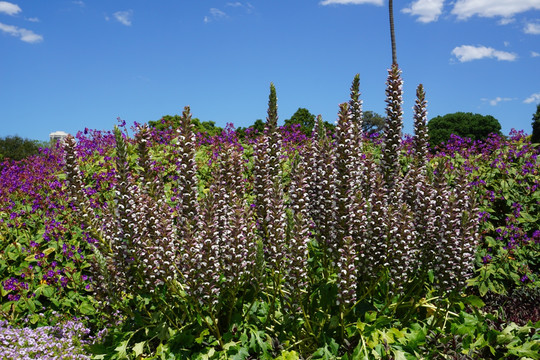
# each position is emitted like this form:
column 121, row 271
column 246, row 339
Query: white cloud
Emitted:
column 9, row 8
column 506, row 21
column 80, row 3
column 533, row 98
column 535, row 54
column 33, row 19
column 426, row 10
column 237, row 4
column 351, row 2
column 464, row 9
column 466, row 53
column 498, row 99
column 24, row 34
column 532, row 28
column 214, row 15
column 124, row 17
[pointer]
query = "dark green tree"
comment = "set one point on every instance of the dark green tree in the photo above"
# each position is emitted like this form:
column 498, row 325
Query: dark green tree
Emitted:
column 17, row 148
column 372, row 122
column 535, row 137
column 304, row 118
column 473, row 126
column 168, row 122
column 307, row 122
column 259, row 126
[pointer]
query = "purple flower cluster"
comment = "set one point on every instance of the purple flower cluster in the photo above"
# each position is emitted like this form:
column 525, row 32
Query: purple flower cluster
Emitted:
column 62, row 341
column 15, row 287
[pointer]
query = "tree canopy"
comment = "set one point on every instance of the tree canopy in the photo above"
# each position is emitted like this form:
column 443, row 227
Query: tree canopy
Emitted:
column 17, row 148
column 535, row 138
column 473, row 126
column 372, row 122
column 304, row 118
column 307, row 120
column 173, row 122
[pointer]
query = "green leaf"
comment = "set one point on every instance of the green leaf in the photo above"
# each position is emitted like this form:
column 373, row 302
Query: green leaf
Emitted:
column 122, row 349
column 474, row 301
column 529, row 349
column 242, row 354
column 288, row 355
column 526, row 218
column 139, row 348
column 399, row 355
column 31, row 305
column 86, row 308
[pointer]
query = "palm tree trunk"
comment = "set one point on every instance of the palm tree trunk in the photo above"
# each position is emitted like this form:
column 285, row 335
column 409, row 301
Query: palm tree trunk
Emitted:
column 392, row 34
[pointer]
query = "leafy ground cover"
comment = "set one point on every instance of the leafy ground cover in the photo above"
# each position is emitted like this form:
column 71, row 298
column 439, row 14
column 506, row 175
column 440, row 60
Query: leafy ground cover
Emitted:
column 170, row 244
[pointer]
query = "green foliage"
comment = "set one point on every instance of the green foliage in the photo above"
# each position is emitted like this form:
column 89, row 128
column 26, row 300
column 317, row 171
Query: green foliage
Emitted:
column 304, row 118
column 131, row 193
column 508, row 257
column 535, row 138
column 17, row 148
column 473, row 126
column 173, row 122
column 372, row 122
column 307, row 120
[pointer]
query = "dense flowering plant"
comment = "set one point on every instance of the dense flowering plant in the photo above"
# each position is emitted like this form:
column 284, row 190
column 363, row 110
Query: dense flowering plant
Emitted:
column 276, row 244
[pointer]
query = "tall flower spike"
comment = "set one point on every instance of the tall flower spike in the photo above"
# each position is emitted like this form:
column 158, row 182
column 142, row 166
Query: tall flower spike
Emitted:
column 420, row 127
column 346, row 180
column 347, row 274
column 266, row 158
column 297, row 249
column 268, row 191
column 393, row 126
column 186, row 184
column 76, row 189
column 355, row 109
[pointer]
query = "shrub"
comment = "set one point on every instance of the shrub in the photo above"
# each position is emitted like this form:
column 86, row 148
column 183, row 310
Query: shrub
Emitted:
column 473, row 126
column 17, row 148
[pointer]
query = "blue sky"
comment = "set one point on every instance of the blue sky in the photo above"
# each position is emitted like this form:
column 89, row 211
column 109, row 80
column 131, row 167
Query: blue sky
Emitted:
column 66, row 65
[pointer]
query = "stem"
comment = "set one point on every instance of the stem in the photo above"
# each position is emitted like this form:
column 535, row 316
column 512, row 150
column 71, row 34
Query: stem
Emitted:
column 342, row 322
column 307, row 322
column 216, row 329
column 366, row 294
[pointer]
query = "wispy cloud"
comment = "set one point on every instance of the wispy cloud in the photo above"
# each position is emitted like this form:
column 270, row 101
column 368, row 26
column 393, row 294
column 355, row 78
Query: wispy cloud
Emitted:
column 24, row 34
column 465, row 9
column 215, row 14
column 534, row 98
column 33, row 19
column 497, row 100
column 506, row 21
column 532, row 28
column 426, row 10
column 237, row 4
column 466, row 53
column 124, row 17
column 351, row 2
column 9, row 8
column 535, row 54
column 80, row 3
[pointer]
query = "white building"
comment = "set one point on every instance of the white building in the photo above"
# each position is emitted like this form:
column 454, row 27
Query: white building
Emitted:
column 57, row 136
